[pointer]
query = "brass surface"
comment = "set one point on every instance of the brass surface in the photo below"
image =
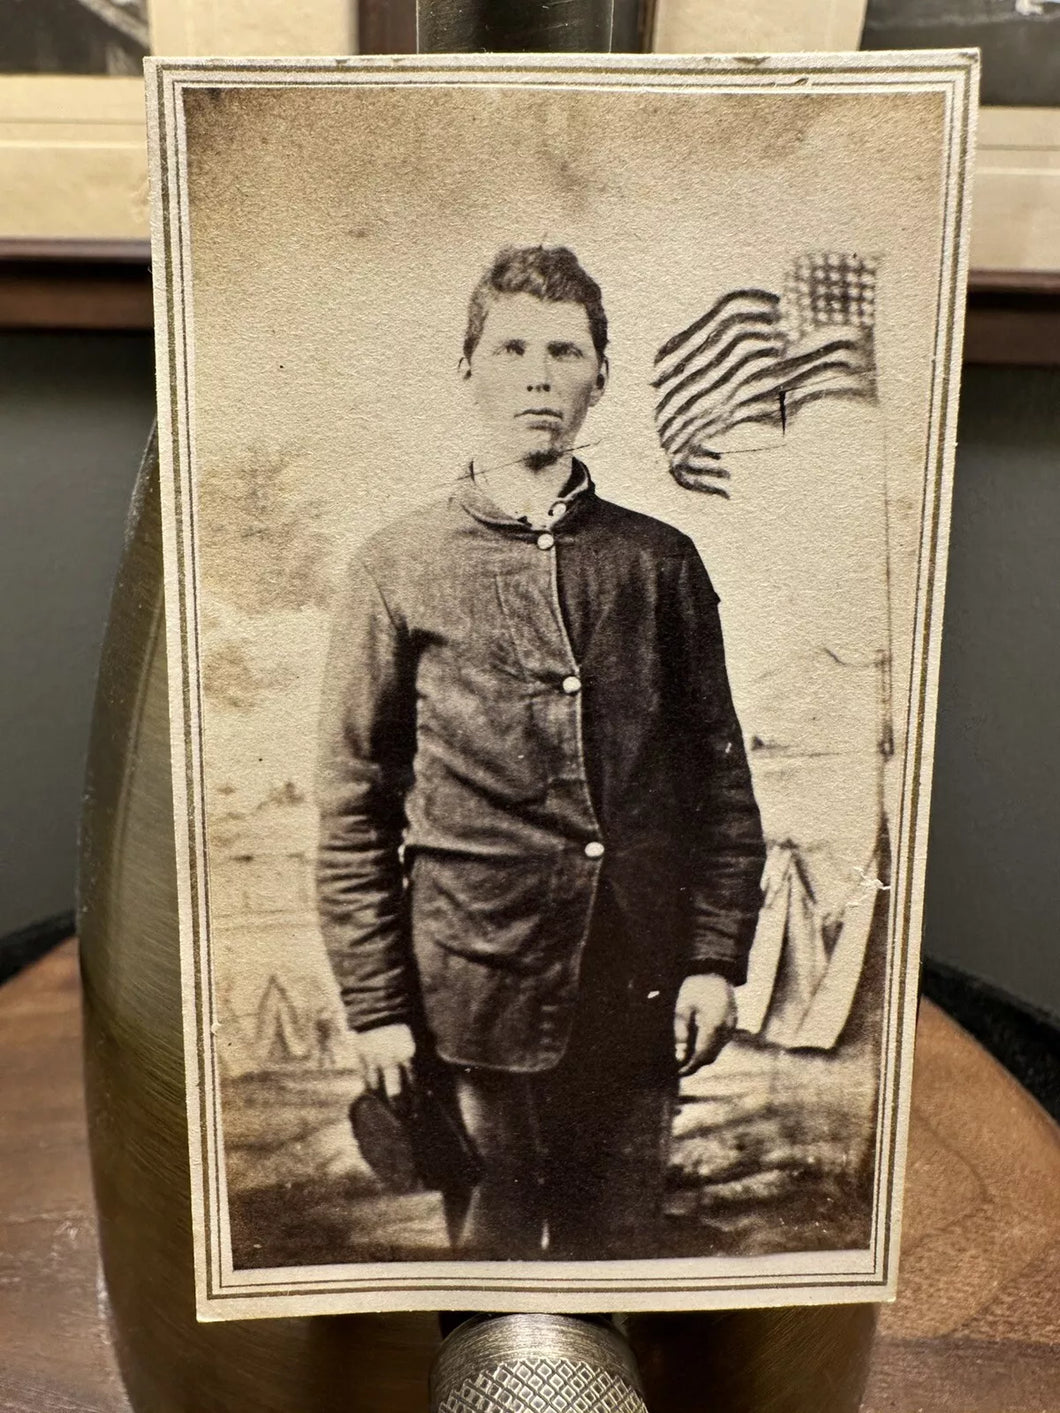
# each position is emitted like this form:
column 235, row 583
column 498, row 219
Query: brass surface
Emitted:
column 803, row 1359
column 537, row 1363
column 134, row 1074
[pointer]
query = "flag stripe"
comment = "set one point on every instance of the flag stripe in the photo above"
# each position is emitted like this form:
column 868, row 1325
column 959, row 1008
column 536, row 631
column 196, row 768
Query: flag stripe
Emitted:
column 835, row 370
column 770, row 416
column 707, row 462
column 742, row 371
column 775, row 368
column 793, row 364
column 704, row 482
column 767, row 383
column 757, row 298
column 758, row 357
column 760, row 337
column 760, row 322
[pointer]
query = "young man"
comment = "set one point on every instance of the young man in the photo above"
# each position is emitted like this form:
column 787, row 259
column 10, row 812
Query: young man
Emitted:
column 540, row 851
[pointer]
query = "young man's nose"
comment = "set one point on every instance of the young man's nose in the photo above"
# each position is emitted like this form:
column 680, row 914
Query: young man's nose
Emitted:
column 537, row 371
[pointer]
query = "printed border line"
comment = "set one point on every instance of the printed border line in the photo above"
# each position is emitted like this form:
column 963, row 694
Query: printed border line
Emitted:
column 933, row 481
column 905, row 929
column 943, row 454
column 202, row 928
column 947, row 63
column 194, row 770
column 897, row 1019
column 195, row 1098
column 783, row 84
column 938, row 84
column 618, row 1285
column 694, row 1272
column 956, row 195
column 212, row 1143
column 458, row 1294
column 852, row 1292
column 903, row 880
column 196, row 758
column 906, row 842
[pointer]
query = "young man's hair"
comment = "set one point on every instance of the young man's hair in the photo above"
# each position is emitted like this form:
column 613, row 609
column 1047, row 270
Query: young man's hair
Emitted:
column 549, row 272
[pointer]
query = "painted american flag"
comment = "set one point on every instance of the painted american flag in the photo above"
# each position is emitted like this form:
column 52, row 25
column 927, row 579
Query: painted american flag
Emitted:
column 758, row 357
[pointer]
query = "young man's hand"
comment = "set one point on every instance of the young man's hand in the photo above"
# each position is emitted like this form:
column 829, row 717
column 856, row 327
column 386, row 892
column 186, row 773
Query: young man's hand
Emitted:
column 386, row 1058
column 704, row 1021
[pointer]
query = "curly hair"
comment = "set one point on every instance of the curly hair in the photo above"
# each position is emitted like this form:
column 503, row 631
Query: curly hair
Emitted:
column 549, row 272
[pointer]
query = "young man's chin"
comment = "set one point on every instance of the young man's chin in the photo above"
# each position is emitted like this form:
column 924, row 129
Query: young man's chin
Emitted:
column 541, row 458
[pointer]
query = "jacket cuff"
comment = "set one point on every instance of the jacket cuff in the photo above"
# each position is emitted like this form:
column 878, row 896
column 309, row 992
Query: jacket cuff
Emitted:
column 733, row 969
column 376, row 1022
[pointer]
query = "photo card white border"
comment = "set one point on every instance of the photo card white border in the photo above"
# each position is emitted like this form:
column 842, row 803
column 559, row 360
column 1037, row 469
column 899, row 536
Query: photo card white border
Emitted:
column 226, row 1293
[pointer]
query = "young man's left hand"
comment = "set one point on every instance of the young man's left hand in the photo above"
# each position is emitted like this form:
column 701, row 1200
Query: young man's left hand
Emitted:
column 704, row 1021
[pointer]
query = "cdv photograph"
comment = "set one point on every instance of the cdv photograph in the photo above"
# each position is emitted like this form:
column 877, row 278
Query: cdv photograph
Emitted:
column 556, row 459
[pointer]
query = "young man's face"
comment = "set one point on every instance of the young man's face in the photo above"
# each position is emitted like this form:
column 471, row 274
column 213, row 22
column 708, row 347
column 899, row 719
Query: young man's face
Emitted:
column 534, row 375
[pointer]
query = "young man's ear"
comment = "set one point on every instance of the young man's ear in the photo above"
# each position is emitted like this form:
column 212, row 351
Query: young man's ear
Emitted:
column 464, row 368
column 600, row 384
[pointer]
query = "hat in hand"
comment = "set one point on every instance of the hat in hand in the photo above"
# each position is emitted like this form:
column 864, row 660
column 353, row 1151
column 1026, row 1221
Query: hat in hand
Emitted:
column 416, row 1142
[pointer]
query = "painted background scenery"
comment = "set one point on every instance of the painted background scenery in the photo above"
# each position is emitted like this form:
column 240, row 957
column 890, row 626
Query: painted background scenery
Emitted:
column 774, row 1144
column 73, row 36
column 327, row 403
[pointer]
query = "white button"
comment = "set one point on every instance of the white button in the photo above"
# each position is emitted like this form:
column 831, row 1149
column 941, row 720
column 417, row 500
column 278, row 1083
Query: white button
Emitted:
column 594, row 849
column 558, row 510
column 572, row 685
column 545, row 541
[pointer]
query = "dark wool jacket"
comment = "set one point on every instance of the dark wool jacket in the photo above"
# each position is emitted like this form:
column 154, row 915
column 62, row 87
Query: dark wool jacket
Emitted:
column 508, row 714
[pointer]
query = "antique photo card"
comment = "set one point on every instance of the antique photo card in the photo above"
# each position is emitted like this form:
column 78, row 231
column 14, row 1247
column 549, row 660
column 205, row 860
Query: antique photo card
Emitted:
column 556, row 461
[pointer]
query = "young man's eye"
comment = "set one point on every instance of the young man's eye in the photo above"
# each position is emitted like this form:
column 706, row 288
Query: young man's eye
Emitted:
column 565, row 350
column 513, row 346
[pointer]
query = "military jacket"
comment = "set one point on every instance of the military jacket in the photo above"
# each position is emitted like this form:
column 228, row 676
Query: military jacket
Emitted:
column 508, row 712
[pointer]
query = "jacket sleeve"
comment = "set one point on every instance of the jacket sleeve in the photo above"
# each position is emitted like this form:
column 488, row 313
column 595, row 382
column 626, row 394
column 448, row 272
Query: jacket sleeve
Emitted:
column 727, row 849
column 367, row 739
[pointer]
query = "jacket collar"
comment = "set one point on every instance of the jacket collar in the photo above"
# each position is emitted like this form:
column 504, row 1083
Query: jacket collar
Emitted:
column 576, row 499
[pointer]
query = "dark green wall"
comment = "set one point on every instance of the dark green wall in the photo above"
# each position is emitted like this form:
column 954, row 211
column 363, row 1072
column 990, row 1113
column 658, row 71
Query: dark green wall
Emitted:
column 75, row 411
column 993, row 882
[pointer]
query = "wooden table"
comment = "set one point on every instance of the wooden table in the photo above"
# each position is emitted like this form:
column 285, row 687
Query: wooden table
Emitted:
column 976, row 1328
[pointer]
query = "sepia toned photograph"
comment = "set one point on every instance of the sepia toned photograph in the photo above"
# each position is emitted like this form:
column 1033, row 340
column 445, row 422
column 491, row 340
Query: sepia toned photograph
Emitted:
column 556, row 463
column 73, row 36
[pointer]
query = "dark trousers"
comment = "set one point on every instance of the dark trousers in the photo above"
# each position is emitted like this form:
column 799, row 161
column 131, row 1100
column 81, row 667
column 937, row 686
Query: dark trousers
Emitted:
column 573, row 1159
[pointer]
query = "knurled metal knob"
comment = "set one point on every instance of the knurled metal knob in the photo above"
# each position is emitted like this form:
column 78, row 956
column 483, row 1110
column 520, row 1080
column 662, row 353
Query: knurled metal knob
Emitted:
column 535, row 1364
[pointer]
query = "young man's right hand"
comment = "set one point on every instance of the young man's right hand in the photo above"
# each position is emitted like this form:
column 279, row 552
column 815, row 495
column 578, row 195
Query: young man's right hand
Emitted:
column 386, row 1059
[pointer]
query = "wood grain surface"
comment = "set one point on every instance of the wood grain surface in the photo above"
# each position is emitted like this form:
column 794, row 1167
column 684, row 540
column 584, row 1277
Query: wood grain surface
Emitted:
column 976, row 1328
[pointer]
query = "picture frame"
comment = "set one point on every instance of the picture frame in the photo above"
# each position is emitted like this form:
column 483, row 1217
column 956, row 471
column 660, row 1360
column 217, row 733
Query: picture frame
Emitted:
column 1016, row 227
column 1016, row 222
column 72, row 162
column 73, row 156
column 247, row 636
column 693, row 27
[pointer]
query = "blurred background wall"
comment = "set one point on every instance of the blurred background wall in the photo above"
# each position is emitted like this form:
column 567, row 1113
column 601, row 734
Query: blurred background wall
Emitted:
column 75, row 410
column 993, row 883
